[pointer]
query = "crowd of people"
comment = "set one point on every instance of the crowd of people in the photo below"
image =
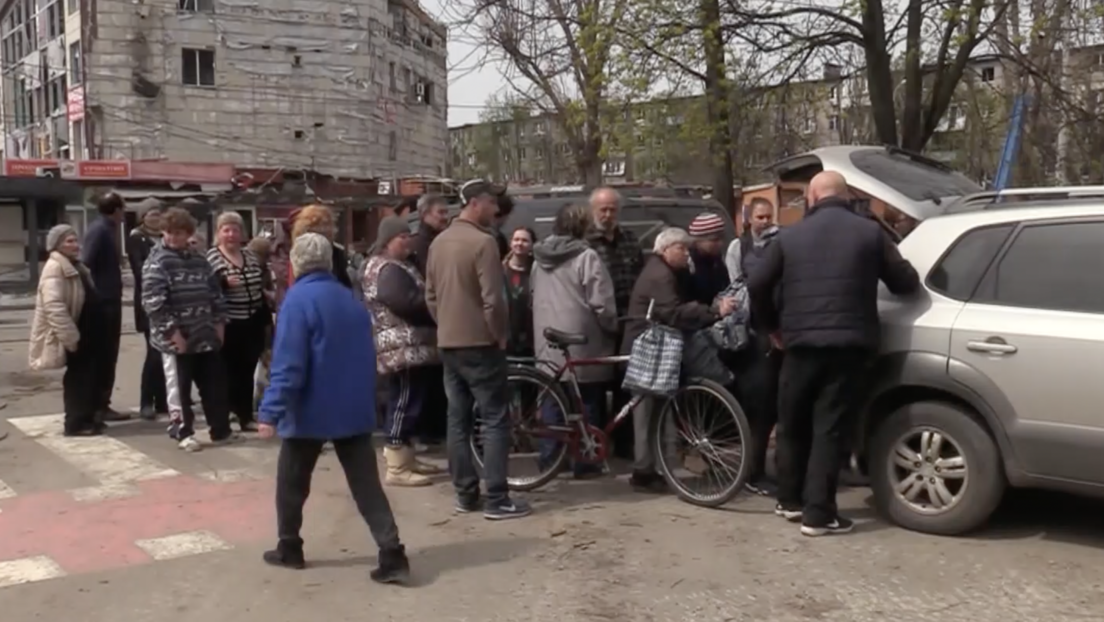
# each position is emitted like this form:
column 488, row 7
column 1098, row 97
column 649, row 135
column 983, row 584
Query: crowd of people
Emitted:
column 436, row 312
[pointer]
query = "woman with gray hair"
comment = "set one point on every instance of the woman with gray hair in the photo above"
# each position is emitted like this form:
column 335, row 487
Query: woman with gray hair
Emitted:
column 323, row 389
column 242, row 279
column 68, row 330
column 663, row 285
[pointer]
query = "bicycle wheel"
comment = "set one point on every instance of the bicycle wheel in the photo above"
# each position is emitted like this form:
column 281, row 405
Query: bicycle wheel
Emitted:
column 529, row 388
column 708, row 461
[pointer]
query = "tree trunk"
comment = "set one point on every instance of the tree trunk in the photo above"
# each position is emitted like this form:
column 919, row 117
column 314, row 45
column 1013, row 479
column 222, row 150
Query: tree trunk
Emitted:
column 879, row 73
column 717, row 105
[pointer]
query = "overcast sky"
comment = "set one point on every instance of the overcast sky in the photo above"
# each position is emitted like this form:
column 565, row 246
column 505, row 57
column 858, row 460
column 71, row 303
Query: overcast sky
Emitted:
column 469, row 85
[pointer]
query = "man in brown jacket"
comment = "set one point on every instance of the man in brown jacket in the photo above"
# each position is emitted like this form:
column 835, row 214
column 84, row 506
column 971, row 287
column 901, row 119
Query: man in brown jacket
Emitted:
column 465, row 293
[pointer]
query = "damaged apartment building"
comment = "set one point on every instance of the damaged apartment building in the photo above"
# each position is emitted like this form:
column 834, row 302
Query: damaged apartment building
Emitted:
column 350, row 88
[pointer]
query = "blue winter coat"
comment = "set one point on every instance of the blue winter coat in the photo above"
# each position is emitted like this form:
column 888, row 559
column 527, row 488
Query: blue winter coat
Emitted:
column 323, row 380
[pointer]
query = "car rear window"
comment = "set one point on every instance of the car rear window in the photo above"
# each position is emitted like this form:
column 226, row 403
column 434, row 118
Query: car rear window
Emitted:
column 911, row 177
column 960, row 270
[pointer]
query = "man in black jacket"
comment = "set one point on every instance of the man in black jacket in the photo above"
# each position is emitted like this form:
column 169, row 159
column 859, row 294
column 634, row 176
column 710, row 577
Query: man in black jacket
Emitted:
column 827, row 269
column 139, row 243
column 433, row 218
column 100, row 253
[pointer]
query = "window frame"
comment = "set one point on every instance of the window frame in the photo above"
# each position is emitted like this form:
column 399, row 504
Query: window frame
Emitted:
column 1013, row 227
column 991, row 271
column 198, row 52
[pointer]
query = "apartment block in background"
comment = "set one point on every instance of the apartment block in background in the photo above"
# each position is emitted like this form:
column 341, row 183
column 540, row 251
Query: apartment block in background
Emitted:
column 355, row 89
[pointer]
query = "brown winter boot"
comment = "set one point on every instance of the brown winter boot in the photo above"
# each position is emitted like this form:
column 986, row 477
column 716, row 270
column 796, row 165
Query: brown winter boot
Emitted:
column 400, row 472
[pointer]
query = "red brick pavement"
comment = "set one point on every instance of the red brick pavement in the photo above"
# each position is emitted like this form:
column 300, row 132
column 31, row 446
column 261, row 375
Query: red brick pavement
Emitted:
column 84, row 536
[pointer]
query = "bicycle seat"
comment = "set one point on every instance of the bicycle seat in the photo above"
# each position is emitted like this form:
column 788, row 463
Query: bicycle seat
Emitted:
column 560, row 339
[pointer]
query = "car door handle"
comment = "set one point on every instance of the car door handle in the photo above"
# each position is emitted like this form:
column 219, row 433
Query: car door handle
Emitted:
column 991, row 347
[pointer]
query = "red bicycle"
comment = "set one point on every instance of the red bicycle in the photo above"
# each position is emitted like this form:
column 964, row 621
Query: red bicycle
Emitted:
column 699, row 452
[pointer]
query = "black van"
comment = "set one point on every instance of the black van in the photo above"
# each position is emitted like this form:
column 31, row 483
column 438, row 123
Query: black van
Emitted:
column 644, row 210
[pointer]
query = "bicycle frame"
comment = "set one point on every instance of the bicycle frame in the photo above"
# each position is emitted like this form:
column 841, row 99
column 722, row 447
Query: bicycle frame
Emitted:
column 565, row 373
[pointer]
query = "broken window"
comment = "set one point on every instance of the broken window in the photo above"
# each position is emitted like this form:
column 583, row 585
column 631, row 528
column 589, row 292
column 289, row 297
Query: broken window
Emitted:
column 76, row 72
column 198, row 67
column 393, row 146
column 196, row 6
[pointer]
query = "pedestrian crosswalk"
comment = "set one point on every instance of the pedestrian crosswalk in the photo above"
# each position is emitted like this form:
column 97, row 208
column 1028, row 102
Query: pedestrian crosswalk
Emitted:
column 147, row 500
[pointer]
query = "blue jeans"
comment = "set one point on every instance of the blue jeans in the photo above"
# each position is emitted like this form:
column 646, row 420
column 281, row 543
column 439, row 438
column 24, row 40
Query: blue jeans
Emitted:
column 477, row 377
column 594, row 401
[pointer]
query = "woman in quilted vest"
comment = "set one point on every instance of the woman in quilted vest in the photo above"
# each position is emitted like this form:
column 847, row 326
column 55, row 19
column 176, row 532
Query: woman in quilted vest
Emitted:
column 406, row 346
column 67, row 330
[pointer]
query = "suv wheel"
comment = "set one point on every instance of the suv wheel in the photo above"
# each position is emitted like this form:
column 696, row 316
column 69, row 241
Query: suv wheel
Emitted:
column 935, row 469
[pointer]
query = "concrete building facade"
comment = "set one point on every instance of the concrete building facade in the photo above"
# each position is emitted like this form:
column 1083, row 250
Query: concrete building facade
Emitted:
column 351, row 88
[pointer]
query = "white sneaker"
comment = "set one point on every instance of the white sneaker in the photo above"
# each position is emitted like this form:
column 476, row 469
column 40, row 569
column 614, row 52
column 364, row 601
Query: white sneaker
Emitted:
column 190, row 444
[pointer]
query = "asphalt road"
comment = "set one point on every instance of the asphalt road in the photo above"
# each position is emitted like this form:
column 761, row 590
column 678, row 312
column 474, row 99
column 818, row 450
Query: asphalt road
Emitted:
column 129, row 528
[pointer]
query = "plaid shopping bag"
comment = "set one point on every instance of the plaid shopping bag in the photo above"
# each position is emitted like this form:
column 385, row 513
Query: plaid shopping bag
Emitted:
column 655, row 362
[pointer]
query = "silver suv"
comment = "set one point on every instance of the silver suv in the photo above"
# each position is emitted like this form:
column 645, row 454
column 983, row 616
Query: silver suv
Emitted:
column 994, row 375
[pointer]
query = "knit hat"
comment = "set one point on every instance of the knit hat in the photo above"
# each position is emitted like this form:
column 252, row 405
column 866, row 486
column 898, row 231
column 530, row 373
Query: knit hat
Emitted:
column 56, row 235
column 707, row 224
column 147, row 206
column 311, row 252
column 389, row 229
column 229, row 218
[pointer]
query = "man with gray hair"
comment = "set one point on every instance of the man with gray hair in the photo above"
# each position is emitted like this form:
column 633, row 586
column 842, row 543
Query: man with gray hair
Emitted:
column 139, row 245
column 432, row 220
column 623, row 257
column 322, row 389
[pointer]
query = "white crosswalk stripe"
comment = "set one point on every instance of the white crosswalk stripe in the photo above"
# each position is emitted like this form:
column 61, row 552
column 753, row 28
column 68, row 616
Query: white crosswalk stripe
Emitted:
column 108, row 460
column 110, row 466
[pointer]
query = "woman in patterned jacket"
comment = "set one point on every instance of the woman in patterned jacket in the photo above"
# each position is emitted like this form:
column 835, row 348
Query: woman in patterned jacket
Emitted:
column 406, row 343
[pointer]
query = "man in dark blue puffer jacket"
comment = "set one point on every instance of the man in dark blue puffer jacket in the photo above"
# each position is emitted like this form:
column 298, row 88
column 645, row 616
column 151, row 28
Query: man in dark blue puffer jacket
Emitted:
column 825, row 316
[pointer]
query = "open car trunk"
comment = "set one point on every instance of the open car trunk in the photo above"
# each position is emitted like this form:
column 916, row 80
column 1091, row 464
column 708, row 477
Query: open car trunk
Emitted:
column 896, row 187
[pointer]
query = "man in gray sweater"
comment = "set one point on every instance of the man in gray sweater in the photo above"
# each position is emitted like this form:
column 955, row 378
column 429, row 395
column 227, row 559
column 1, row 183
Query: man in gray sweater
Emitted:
column 187, row 316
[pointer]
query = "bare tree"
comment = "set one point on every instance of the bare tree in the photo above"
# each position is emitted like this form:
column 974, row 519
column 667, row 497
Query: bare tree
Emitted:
column 923, row 48
column 562, row 58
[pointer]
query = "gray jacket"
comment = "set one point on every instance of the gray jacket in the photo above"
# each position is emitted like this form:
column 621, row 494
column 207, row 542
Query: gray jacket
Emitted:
column 573, row 292
column 180, row 292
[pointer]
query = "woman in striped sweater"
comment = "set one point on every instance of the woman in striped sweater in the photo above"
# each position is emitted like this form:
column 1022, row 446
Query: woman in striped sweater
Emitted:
column 242, row 278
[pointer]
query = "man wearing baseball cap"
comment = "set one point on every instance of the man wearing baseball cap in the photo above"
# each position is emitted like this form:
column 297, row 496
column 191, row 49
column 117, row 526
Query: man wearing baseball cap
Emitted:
column 504, row 203
column 466, row 295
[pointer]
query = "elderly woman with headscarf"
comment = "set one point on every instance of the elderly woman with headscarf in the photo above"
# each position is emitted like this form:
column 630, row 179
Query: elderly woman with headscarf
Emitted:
column 142, row 240
column 68, row 330
column 242, row 279
column 323, row 389
column 663, row 286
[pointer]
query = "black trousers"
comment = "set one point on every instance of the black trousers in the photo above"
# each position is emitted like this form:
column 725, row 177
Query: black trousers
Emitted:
column 819, row 393
column 298, row 457
column 757, row 371
column 433, row 422
column 113, row 330
column 241, row 349
column 207, row 371
column 81, row 385
column 153, row 393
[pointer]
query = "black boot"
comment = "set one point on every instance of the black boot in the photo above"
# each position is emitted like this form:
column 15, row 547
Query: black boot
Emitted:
column 648, row 482
column 393, row 566
column 286, row 556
